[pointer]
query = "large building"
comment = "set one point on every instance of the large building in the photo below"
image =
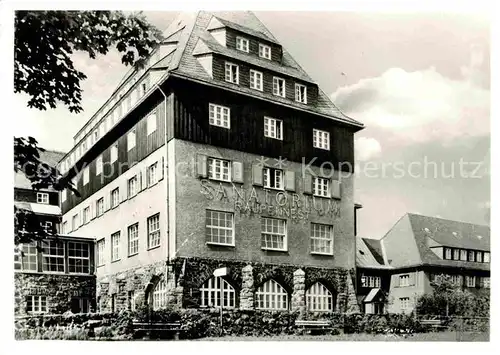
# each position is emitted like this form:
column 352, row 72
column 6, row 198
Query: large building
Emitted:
column 53, row 275
column 221, row 152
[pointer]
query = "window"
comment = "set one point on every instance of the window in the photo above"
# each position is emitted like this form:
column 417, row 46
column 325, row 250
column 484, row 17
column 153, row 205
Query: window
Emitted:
column 470, row 281
column 447, row 253
column 232, row 73
column 131, row 300
column 456, row 280
column 114, row 153
column 321, row 239
column 255, row 80
column 273, row 128
column 404, row 280
column 486, row 257
column 36, row 304
column 405, row 303
column 80, row 305
column 98, row 165
column 471, row 255
column 219, row 227
column 219, row 116
column 86, row 215
column 242, row 44
column 151, row 123
column 463, row 255
column 479, row 256
column 74, row 222
column 42, row 197
column 219, row 169
column 321, row 187
column 456, row 254
column 273, row 234
column 131, row 139
column 100, row 206
column 65, row 227
column 78, row 258
column 370, row 281
column 301, row 93
column 100, row 248
column 115, row 246
column 321, row 139
column 271, row 295
column 152, row 174
column 273, row 178
column 132, row 187
column 160, row 295
column 86, row 176
column 53, row 256
column 28, row 257
column 96, row 135
column 279, row 87
column 486, row 282
column 115, row 197
column 264, row 51
column 47, row 226
column 63, row 195
column 154, row 231
column 133, row 239
column 211, row 293
column 319, row 299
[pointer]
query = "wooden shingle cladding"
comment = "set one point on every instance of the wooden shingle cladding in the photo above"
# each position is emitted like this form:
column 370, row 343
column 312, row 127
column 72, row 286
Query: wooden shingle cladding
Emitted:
column 218, row 73
column 276, row 50
column 145, row 145
column 191, row 111
column 29, row 195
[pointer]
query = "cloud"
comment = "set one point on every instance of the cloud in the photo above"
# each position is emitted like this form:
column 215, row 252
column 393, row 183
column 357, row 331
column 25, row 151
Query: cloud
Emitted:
column 420, row 106
column 367, row 148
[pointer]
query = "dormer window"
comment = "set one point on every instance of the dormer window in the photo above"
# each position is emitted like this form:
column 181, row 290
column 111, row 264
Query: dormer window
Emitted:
column 264, row 51
column 255, row 80
column 232, row 73
column 242, row 44
column 301, row 93
column 279, row 87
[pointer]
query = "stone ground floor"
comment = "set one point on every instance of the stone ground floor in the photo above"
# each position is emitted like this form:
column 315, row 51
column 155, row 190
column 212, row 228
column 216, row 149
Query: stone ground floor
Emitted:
column 189, row 283
column 36, row 293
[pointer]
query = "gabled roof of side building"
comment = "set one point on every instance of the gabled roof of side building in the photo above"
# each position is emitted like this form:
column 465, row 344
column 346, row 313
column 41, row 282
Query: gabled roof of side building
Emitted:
column 50, row 157
column 369, row 254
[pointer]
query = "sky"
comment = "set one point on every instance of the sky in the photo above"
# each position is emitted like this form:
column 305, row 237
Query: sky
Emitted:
column 419, row 82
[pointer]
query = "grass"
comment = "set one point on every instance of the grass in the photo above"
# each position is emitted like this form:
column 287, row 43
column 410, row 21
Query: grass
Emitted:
column 438, row 336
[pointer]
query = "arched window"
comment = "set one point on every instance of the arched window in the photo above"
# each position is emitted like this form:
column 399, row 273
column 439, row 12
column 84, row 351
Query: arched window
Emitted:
column 211, row 293
column 159, row 296
column 319, row 299
column 271, row 295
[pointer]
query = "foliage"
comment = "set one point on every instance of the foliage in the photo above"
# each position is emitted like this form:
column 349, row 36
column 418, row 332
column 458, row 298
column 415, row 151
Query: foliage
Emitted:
column 52, row 333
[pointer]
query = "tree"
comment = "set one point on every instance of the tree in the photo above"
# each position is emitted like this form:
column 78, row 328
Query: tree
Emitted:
column 44, row 70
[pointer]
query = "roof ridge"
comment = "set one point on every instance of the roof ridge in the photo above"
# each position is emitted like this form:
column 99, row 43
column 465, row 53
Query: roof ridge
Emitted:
column 447, row 219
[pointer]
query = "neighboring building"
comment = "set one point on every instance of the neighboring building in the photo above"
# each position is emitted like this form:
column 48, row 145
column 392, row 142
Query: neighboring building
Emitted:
column 420, row 247
column 57, row 276
column 196, row 162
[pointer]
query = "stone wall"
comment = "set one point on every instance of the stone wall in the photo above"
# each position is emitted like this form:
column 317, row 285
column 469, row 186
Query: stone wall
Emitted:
column 59, row 290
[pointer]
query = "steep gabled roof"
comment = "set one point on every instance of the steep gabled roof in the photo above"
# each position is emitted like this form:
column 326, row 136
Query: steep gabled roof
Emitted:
column 369, row 255
column 50, row 157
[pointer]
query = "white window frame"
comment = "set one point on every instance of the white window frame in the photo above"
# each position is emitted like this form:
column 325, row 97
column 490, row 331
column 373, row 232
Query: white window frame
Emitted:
column 479, row 256
column 405, row 303
column 42, row 197
column 321, row 236
column 211, row 293
column 273, row 178
column 115, row 246
column 74, row 222
column 319, row 298
column 98, row 165
column 53, row 259
column 278, row 84
column 86, row 215
column 273, row 128
column 219, row 169
column 486, row 281
column 154, row 232
column 152, row 174
column 256, row 80
column 99, row 206
column 406, row 279
column 486, row 257
column 151, row 123
column 448, row 253
column 219, row 116
column 114, row 153
column 321, row 187
column 28, row 261
column 159, row 295
column 132, row 186
column 321, row 139
column 268, row 236
column 81, row 261
column 131, row 140
column 232, row 73
column 47, row 226
column 114, row 203
column 133, row 239
column 272, row 296
column 39, row 304
column 65, row 227
column 216, row 227
column 264, row 51
column 456, row 254
column 242, row 44
column 100, row 247
column 301, row 93
column 463, row 255
column 470, row 281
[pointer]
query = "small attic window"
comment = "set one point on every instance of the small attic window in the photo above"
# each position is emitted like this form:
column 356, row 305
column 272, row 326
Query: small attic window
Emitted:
column 242, row 44
column 427, row 230
column 361, row 252
column 479, row 237
column 455, row 234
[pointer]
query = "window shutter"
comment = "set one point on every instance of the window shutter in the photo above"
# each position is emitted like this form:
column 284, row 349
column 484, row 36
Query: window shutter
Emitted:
column 124, row 190
column 308, row 184
column 237, row 172
column 335, row 189
column 202, row 165
column 290, row 180
column 162, row 168
column 257, row 174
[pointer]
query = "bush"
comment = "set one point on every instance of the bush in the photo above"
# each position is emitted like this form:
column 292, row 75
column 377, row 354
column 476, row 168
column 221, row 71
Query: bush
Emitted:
column 52, row 333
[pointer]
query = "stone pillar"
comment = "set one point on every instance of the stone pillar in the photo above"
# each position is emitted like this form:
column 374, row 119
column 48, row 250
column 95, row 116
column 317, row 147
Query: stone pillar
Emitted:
column 247, row 291
column 299, row 293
